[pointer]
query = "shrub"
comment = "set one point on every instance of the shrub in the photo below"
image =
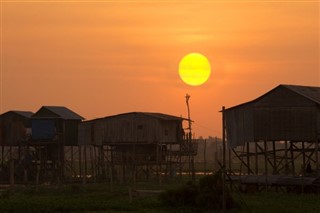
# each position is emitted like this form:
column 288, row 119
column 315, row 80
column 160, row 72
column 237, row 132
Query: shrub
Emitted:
column 208, row 194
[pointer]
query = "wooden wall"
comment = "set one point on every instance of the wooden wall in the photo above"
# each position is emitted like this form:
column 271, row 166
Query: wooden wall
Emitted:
column 131, row 127
column 284, row 115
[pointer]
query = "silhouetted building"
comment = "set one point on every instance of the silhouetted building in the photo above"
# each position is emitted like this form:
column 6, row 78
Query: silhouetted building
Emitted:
column 280, row 129
column 15, row 127
column 286, row 113
column 52, row 123
column 133, row 127
column 139, row 137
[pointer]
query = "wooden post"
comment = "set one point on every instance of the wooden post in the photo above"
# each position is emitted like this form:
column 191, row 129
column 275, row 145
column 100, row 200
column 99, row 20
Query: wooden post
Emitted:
column 230, row 159
column 224, row 161
column 2, row 154
column 303, row 160
column 134, row 167
column 317, row 157
column 85, row 164
column 286, row 157
column 266, row 162
column 274, row 157
column 223, row 138
column 91, row 162
column 102, row 163
column 248, row 158
column 256, row 158
column 80, row 159
column 71, row 166
column 180, row 161
column 216, row 157
column 205, row 157
column 316, row 141
column 11, row 169
column 19, row 151
column 111, row 177
column 292, row 158
column 63, row 135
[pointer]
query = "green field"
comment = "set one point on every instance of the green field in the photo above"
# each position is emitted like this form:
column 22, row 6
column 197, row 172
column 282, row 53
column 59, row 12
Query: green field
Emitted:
column 100, row 198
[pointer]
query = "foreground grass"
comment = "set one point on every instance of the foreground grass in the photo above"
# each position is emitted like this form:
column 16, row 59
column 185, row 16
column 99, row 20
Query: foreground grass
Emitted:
column 99, row 198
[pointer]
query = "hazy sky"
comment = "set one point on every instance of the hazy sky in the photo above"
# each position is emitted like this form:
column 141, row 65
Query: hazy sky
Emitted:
column 109, row 57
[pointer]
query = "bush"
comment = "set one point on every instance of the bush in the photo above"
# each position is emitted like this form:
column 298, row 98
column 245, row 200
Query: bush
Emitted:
column 208, row 194
column 182, row 196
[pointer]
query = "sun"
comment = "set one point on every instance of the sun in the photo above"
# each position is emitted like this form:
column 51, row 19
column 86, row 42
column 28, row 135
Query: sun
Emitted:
column 194, row 69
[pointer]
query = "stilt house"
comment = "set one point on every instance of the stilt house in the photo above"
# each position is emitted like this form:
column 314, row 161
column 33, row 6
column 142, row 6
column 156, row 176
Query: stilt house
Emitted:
column 15, row 127
column 52, row 123
column 282, row 128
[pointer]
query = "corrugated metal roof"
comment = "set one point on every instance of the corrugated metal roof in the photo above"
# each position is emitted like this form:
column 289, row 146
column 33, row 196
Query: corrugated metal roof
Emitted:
column 160, row 116
column 63, row 112
column 312, row 93
column 26, row 114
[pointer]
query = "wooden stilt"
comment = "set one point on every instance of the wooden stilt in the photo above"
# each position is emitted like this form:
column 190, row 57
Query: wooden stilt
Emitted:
column 85, row 164
column 180, row 161
column 223, row 138
column 2, row 154
column 248, row 158
column 19, row 151
column 274, row 157
column 205, row 157
column 266, row 162
column 316, row 142
column 11, row 170
column 103, row 168
column 256, row 158
column 292, row 158
column 80, row 161
column 303, row 172
column 230, row 159
column 286, row 157
column 92, row 162
column 317, row 157
column 134, row 167
column 63, row 142
column 71, row 163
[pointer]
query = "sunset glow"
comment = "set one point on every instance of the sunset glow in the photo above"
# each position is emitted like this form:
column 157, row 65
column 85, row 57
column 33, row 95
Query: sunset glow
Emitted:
column 103, row 58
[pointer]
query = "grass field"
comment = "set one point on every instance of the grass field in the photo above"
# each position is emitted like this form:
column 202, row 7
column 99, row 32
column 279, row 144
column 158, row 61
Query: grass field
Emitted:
column 99, row 198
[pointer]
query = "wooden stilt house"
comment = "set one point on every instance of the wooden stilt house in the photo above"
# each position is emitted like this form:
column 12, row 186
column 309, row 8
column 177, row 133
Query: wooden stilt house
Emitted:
column 137, row 139
column 281, row 128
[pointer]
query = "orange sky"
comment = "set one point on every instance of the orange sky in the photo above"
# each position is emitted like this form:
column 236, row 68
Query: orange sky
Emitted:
column 103, row 58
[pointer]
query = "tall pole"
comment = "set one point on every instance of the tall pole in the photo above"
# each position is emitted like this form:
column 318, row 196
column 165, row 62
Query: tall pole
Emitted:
column 189, row 121
column 190, row 138
column 223, row 139
column 223, row 161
